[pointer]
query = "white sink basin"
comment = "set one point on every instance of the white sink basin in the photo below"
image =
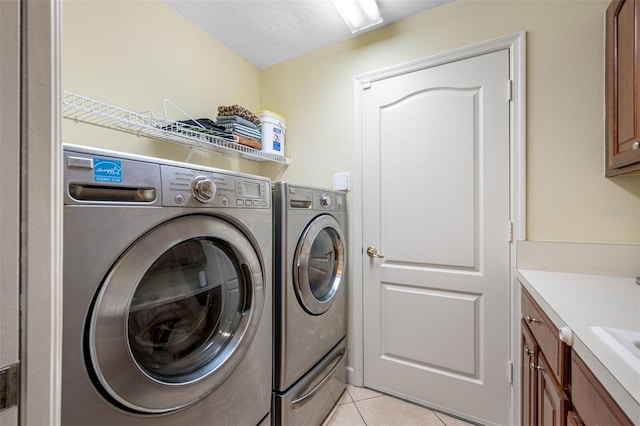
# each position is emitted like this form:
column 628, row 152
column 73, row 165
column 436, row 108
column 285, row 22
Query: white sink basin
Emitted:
column 625, row 343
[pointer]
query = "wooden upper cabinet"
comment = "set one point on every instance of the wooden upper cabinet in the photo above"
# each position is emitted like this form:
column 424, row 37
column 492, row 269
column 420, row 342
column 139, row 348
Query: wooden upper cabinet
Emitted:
column 623, row 88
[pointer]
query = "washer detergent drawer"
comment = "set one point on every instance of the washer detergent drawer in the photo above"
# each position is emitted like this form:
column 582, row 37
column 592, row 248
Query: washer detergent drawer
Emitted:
column 313, row 397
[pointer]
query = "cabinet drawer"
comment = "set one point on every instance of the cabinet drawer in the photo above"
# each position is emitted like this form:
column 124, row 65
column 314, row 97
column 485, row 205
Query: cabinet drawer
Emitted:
column 591, row 400
column 546, row 334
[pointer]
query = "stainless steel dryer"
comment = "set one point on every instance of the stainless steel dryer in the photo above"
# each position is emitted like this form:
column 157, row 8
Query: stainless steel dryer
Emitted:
column 167, row 293
column 309, row 303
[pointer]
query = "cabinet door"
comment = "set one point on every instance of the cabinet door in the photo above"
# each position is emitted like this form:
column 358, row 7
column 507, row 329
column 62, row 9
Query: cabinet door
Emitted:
column 623, row 88
column 553, row 404
column 528, row 374
column 591, row 399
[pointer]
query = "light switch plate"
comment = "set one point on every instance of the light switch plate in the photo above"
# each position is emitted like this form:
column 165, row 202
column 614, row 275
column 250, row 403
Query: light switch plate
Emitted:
column 341, row 182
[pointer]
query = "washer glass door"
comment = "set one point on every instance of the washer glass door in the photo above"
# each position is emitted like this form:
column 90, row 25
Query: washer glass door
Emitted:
column 176, row 314
column 319, row 264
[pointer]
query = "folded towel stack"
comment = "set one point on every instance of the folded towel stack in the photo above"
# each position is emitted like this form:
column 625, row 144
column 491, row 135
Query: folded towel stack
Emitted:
column 242, row 123
column 239, row 129
column 237, row 110
column 235, row 119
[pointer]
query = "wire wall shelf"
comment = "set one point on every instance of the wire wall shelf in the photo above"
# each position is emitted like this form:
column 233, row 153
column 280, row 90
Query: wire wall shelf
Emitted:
column 87, row 110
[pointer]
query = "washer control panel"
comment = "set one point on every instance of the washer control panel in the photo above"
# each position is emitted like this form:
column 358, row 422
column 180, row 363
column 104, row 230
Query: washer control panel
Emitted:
column 200, row 188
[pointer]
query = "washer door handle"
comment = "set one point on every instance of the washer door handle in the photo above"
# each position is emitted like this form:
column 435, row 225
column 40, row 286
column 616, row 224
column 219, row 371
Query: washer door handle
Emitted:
column 373, row 252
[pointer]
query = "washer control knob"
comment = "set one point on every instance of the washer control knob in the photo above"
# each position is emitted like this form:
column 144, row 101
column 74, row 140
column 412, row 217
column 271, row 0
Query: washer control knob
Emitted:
column 325, row 200
column 203, row 189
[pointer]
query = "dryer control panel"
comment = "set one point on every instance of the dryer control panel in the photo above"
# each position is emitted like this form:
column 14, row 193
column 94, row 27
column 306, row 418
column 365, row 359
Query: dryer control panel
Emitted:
column 315, row 199
column 201, row 188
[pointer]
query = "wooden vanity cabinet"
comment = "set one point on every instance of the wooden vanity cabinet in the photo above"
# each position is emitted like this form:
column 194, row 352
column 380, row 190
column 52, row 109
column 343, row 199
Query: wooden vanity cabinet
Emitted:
column 558, row 389
column 622, row 82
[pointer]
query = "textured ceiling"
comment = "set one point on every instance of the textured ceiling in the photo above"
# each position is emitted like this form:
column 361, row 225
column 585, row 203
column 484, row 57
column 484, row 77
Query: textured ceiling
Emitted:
column 266, row 32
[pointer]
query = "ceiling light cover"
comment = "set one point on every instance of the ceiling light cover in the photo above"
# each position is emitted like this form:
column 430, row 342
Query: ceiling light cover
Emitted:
column 359, row 14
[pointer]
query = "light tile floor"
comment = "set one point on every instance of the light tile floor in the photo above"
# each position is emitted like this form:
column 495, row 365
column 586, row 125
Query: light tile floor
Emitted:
column 361, row 406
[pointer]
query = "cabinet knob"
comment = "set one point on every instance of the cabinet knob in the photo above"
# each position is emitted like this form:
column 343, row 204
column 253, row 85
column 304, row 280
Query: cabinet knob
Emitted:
column 533, row 366
column 529, row 319
column 635, row 145
column 528, row 351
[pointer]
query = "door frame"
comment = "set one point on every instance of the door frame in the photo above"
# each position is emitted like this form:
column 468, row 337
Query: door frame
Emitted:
column 41, row 214
column 516, row 44
column 10, row 68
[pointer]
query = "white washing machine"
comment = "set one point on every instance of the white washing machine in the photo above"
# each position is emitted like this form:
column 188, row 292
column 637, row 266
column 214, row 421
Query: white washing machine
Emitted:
column 167, row 293
column 309, row 303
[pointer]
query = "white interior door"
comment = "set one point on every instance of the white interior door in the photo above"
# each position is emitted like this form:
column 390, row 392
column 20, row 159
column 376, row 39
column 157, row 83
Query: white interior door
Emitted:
column 9, row 203
column 436, row 206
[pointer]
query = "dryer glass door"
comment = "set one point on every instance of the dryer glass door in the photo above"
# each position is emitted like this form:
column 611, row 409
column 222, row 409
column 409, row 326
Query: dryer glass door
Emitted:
column 319, row 264
column 176, row 314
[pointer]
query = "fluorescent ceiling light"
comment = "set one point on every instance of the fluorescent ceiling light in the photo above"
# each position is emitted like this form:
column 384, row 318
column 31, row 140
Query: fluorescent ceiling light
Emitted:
column 359, row 14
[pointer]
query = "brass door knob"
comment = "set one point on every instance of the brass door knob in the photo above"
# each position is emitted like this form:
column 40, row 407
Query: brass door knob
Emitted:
column 373, row 252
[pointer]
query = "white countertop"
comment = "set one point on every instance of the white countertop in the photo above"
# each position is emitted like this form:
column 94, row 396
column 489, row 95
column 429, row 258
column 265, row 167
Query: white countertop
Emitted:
column 580, row 302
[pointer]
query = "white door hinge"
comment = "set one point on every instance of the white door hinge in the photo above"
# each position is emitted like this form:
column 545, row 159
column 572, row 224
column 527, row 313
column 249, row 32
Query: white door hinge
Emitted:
column 510, row 372
column 510, row 231
column 509, row 90
column 366, row 85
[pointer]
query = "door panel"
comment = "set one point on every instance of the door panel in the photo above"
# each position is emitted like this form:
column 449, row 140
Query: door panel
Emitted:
column 405, row 311
column 451, row 203
column 436, row 203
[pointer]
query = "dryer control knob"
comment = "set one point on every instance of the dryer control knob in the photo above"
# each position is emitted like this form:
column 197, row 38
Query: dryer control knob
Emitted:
column 203, row 189
column 325, row 200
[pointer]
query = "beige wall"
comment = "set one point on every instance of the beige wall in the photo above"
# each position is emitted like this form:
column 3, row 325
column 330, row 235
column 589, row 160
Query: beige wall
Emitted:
column 569, row 199
column 134, row 54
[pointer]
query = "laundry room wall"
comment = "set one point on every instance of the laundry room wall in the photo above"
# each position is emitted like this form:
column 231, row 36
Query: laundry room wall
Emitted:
column 568, row 197
column 133, row 55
